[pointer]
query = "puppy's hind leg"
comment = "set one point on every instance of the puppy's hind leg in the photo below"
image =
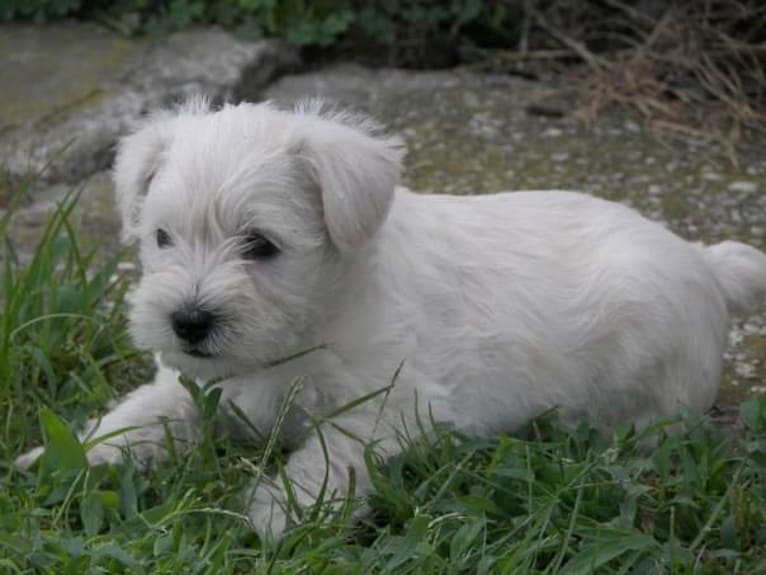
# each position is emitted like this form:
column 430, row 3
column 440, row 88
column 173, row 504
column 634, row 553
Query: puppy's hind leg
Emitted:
column 331, row 464
column 320, row 469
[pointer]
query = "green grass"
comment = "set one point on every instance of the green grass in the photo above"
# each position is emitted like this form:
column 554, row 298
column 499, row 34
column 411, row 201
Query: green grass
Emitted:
column 547, row 501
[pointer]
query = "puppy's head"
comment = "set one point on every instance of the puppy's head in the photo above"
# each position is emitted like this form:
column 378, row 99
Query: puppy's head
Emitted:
column 246, row 219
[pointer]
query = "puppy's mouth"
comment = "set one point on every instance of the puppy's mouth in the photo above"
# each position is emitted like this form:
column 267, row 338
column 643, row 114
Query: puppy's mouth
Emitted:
column 195, row 352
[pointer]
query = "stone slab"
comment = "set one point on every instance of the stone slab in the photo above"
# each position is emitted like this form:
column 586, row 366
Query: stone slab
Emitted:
column 69, row 90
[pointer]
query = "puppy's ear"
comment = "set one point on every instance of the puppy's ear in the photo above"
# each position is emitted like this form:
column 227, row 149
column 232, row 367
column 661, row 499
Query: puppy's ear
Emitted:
column 356, row 171
column 139, row 156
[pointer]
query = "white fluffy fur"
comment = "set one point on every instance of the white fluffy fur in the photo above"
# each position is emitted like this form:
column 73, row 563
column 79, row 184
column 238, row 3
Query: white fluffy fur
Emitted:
column 497, row 308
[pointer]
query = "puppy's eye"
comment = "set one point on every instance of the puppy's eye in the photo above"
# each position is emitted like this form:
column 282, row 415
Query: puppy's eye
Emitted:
column 163, row 239
column 257, row 247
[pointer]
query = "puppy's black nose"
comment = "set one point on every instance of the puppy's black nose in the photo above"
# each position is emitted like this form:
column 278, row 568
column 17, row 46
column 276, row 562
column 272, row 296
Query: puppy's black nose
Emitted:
column 192, row 324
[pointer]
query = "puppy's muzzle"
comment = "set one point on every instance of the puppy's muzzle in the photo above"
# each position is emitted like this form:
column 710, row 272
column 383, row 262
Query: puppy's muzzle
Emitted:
column 192, row 324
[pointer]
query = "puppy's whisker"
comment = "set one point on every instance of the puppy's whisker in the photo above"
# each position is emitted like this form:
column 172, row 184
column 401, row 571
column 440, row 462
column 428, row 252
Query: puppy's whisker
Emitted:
column 217, row 341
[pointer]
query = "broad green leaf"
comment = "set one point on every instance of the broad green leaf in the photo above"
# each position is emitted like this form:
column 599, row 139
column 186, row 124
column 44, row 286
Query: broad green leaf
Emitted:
column 92, row 512
column 753, row 413
column 407, row 550
column 62, row 448
column 600, row 552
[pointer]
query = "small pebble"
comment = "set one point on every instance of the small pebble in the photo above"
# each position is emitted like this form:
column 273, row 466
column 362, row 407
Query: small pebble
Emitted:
column 552, row 133
column 744, row 187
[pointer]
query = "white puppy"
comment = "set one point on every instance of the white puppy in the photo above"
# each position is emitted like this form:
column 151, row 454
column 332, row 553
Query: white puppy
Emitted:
column 267, row 233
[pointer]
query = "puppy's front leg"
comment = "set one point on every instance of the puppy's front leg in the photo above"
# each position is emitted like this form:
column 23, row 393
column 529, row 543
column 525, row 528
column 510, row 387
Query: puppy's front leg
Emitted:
column 139, row 422
column 144, row 418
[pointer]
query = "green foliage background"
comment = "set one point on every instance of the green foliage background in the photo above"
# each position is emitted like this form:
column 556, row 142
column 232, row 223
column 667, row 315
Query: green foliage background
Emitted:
column 299, row 22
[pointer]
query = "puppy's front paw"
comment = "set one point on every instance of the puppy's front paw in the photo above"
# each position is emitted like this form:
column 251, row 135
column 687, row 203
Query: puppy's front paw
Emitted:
column 102, row 453
column 105, row 454
column 269, row 511
column 26, row 460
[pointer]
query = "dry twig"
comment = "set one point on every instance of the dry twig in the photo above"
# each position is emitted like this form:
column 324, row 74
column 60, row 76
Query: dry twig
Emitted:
column 695, row 72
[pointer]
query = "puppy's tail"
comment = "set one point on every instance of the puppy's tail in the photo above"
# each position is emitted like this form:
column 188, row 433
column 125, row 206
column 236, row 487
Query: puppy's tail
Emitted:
column 741, row 273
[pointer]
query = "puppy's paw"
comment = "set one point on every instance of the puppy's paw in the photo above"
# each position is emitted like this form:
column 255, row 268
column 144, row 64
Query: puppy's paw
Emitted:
column 269, row 511
column 26, row 460
column 105, row 454
column 97, row 455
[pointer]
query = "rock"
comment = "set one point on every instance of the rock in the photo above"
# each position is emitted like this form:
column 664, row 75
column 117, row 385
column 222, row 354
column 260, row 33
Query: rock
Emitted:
column 70, row 90
column 94, row 216
column 743, row 187
column 632, row 126
column 552, row 133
